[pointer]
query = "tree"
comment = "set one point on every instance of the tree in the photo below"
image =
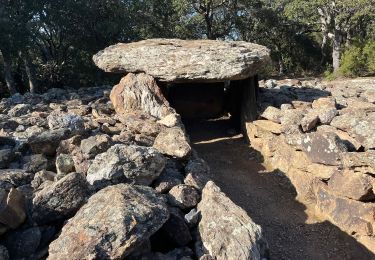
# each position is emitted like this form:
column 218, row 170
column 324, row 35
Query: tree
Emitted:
column 338, row 20
column 292, row 47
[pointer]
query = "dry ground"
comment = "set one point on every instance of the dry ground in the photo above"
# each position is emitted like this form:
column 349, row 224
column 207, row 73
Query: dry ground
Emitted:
column 292, row 230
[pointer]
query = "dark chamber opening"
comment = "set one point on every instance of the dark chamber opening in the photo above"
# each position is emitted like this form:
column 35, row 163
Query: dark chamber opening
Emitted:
column 207, row 100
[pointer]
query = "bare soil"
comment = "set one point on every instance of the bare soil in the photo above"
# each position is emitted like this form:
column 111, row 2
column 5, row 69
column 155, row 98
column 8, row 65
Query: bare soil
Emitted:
column 291, row 229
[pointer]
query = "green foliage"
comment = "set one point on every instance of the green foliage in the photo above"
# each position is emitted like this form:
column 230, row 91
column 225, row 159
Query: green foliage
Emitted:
column 59, row 37
column 369, row 54
column 358, row 60
column 352, row 62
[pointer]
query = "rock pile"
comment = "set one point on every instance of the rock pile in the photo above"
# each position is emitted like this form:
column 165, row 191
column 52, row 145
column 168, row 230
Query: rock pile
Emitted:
column 95, row 174
column 321, row 135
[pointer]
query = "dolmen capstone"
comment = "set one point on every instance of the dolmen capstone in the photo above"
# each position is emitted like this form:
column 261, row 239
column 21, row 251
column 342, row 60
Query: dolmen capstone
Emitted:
column 174, row 60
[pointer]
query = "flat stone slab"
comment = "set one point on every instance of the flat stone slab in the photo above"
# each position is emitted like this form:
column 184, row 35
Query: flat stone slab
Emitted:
column 174, row 60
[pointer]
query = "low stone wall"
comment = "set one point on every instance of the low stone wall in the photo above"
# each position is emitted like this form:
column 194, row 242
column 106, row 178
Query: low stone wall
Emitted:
column 322, row 137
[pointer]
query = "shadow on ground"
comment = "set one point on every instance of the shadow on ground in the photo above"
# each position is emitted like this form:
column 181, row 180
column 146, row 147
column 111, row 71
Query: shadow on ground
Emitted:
column 268, row 197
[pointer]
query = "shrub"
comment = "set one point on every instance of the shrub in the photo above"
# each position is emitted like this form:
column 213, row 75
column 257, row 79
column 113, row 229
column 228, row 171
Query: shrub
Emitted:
column 369, row 53
column 358, row 60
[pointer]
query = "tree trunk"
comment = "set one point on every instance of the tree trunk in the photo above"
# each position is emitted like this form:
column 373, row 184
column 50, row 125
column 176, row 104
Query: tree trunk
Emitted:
column 323, row 47
column 281, row 67
column 8, row 73
column 29, row 68
column 208, row 20
column 336, row 52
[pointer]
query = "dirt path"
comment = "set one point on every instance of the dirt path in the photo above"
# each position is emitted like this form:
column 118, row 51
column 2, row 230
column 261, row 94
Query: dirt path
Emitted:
column 292, row 231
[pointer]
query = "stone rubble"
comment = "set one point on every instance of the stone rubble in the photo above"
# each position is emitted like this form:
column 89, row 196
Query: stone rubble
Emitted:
column 325, row 146
column 100, row 174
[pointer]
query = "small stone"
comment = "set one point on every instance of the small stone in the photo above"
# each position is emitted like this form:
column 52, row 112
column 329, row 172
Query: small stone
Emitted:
column 95, row 145
column 183, row 196
column 14, row 178
column 197, row 173
column 169, row 178
column 12, row 208
column 309, row 121
column 19, row 110
column 36, row 162
column 58, row 120
column 286, row 107
column 364, row 161
column 273, row 114
column 327, row 115
column 64, row 164
column 61, row 199
column 350, row 215
column 192, row 218
column 268, row 126
column 41, row 177
column 173, row 142
column 324, row 102
column 170, row 120
column 325, row 148
column 47, row 142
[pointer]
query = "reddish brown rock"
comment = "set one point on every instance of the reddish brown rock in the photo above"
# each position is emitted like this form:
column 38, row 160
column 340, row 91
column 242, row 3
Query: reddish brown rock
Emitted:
column 268, row 126
column 353, row 185
column 352, row 216
column 139, row 92
column 324, row 102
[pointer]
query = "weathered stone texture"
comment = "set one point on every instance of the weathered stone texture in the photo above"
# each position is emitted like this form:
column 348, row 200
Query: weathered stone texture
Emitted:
column 227, row 232
column 174, row 60
column 111, row 225
column 139, row 92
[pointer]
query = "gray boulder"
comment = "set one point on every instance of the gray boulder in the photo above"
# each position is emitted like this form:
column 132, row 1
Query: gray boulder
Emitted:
column 324, row 148
column 173, row 142
column 183, row 196
column 60, row 199
column 169, row 178
column 14, row 178
column 58, row 120
column 12, row 208
column 19, row 110
column 22, row 244
column 47, row 142
column 227, row 232
column 197, row 173
column 64, row 164
column 94, row 145
column 122, row 163
column 112, row 224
